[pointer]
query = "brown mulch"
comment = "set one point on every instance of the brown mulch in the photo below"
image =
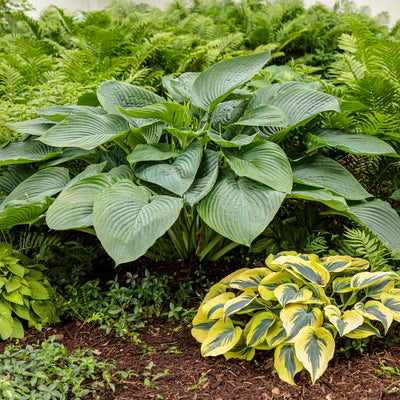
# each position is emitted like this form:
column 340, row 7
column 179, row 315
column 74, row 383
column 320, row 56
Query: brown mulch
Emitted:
column 352, row 378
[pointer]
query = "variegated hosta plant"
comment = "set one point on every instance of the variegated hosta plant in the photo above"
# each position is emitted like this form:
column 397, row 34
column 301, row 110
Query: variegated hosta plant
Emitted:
column 205, row 154
column 296, row 306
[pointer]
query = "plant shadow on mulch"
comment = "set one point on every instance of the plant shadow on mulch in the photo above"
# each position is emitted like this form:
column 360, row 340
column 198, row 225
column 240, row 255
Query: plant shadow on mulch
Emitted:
column 169, row 346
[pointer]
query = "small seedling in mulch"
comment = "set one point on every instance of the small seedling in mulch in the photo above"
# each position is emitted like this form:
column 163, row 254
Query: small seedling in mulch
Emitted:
column 150, row 378
column 197, row 386
column 172, row 350
column 389, row 372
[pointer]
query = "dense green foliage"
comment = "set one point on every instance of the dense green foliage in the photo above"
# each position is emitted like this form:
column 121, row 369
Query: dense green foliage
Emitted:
column 296, row 305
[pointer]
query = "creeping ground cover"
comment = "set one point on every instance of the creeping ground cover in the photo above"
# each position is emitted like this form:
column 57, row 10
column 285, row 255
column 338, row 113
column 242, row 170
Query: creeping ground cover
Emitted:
column 297, row 305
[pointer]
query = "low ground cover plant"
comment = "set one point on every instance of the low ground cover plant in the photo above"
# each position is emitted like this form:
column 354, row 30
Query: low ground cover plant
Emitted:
column 297, row 305
column 208, row 166
column 25, row 294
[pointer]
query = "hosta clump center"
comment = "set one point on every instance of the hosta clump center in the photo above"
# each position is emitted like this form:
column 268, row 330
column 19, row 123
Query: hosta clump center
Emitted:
column 296, row 306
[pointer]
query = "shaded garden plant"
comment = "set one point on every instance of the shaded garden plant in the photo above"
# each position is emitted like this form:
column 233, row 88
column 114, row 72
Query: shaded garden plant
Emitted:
column 207, row 167
column 296, row 305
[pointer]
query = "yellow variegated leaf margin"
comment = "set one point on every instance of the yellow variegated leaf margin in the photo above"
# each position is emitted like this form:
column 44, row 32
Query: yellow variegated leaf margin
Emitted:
column 296, row 316
column 201, row 325
column 392, row 302
column 376, row 311
column 308, row 257
column 363, row 331
column 227, row 280
column 214, row 291
column 319, row 295
column 386, row 285
column 236, row 304
column 221, row 338
column 344, row 323
column 249, row 279
column 269, row 262
column 214, row 308
column 290, row 293
column 365, row 279
column 342, row 285
column 272, row 281
column 337, row 263
column 241, row 350
column 257, row 327
column 311, row 270
column 358, row 264
column 314, row 348
column 286, row 363
column 276, row 334
column 395, row 291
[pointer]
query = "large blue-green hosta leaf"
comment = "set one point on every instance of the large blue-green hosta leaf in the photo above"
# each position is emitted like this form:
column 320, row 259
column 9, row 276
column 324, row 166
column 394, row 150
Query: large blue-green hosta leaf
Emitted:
column 26, row 151
column 35, row 127
column 153, row 152
column 128, row 219
column 351, row 142
column 178, row 176
column 324, row 172
column 114, row 94
column 58, row 113
column 74, row 207
column 179, row 87
column 85, row 130
column 381, row 219
column 238, row 208
column 264, row 162
column 44, row 183
column 70, row 154
column 216, row 83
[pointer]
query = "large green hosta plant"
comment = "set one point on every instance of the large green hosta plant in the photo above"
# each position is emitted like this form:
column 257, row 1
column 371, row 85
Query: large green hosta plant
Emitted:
column 209, row 149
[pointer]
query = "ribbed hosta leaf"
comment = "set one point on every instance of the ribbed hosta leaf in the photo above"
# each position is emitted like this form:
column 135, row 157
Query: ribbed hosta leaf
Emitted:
column 90, row 170
column 12, row 176
column 380, row 217
column 85, row 130
column 128, row 220
column 324, row 196
column 24, row 214
column 70, row 154
column 113, row 94
column 264, row 162
column 44, row 183
column 178, row 176
column 214, row 84
column 351, row 142
column 58, row 113
column 264, row 116
column 238, row 208
column 172, row 114
column 324, row 172
column 237, row 141
column 150, row 133
column 179, row 87
column 35, row 127
column 205, row 179
column 153, row 152
column 74, row 207
column 26, row 151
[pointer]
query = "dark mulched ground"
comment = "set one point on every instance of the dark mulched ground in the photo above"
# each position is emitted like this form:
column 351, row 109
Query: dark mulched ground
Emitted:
column 352, row 378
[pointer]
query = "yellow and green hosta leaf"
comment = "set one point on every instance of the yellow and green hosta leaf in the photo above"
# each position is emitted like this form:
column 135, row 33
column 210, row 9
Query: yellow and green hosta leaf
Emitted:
column 290, row 293
column 201, row 325
column 241, row 350
column 270, row 261
column 221, row 338
column 6, row 325
column 395, row 291
column 214, row 291
column 249, row 279
column 342, row 285
column 337, row 263
column 276, row 334
column 314, row 348
column 257, row 327
column 376, row 311
column 14, row 297
column 286, row 363
column 296, row 316
column 238, row 303
column 227, row 280
column 214, row 308
column 392, row 302
column 319, row 296
column 358, row 264
column 384, row 286
column 311, row 270
column 344, row 323
column 272, row 281
column 365, row 279
column 363, row 331
column 308, row 257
